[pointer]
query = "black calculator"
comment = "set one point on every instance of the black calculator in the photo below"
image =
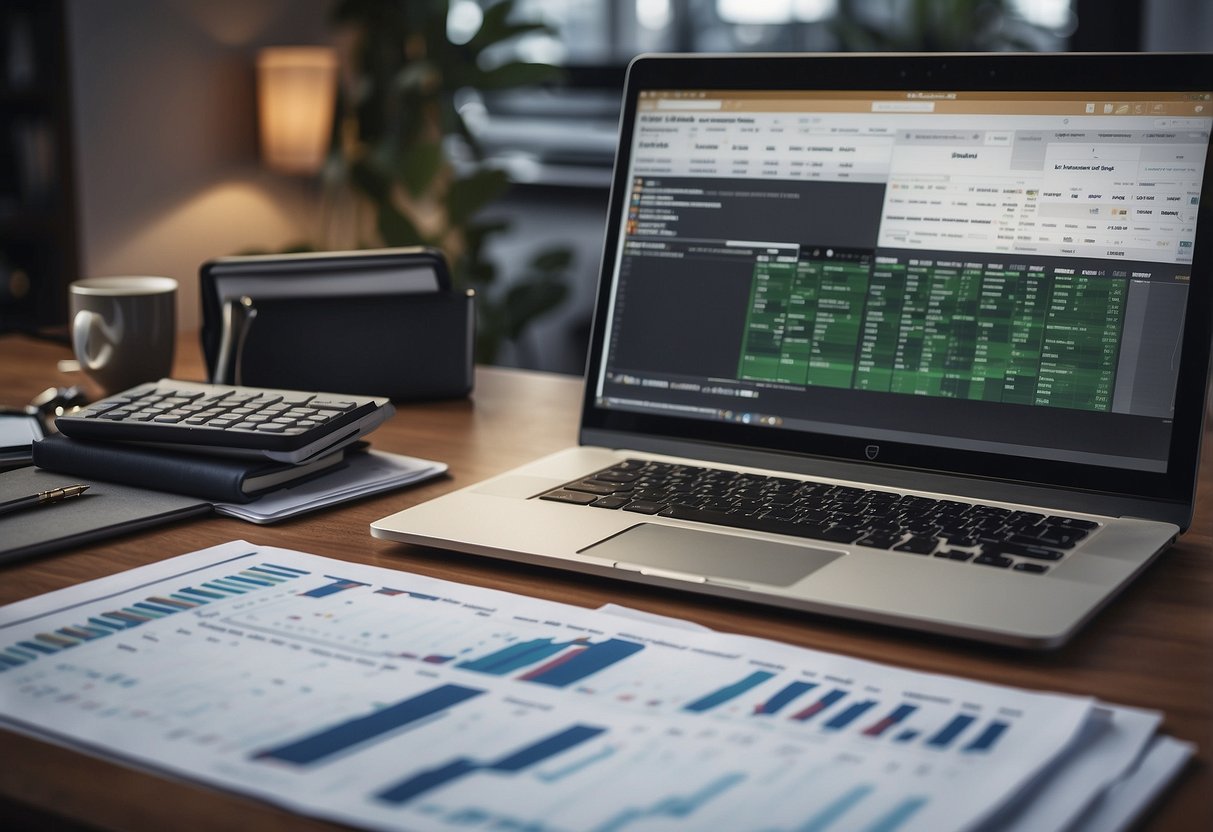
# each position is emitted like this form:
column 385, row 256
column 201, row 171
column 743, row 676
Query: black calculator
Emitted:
column 254, row 422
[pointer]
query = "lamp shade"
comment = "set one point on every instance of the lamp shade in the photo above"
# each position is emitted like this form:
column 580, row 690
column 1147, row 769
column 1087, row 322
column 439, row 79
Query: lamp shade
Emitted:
column 296, row 90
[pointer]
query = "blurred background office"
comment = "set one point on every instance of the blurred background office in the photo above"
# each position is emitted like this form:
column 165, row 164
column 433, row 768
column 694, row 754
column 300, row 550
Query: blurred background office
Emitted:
column 143, row 136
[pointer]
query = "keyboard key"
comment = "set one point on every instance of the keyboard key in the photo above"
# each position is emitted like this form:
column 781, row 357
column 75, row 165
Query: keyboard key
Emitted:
column 918, row 546
column 1034, row 552
column 610, row 502
column 576, row 497
column 644, row 507
column 1031, row 568
column 993, row 560
column 591, row 487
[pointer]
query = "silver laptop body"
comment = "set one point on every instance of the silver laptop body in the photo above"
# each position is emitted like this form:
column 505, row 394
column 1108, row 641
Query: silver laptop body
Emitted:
column 965, row 296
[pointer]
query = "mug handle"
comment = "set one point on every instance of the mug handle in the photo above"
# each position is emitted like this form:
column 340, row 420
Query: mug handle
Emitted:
column 82, row 327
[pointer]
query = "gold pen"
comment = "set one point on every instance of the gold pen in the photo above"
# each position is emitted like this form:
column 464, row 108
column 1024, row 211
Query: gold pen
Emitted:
column 54, row 495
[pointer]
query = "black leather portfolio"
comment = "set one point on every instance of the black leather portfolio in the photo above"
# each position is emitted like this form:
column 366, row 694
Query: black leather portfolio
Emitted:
column 214, row 478
column 105, row 510
column 376, row 323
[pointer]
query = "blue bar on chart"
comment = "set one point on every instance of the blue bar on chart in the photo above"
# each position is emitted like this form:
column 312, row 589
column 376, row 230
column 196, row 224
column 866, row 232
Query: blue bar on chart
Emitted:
column 819, row 706
column 986, row 739
column 337, row 585
column 949, row 732
column 513, row 762
column 517, row 656
column 578, row 664
column 849, row 715
column 779, row 700
column 344, row 736
column 415, row 595
column 676, row 807
column 906, row 736
column 729, row 692
column 566, row 662
column 898, row 715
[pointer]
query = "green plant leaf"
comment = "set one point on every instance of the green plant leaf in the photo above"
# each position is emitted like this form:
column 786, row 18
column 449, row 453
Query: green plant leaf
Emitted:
column 552, row 260
column 395, row 228
column 516, row 74
column 469, row 194
column 525, row 301
column 368, row 178
column 419, row 164
column 495, row 27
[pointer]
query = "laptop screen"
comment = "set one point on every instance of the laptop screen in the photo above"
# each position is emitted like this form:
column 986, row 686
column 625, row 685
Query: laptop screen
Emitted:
column 990, row 272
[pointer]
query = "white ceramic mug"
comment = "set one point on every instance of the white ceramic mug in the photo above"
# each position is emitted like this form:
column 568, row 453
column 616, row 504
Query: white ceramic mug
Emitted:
column 124, row 329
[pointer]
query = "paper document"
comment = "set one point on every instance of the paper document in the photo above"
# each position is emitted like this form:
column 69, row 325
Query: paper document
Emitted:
column 394, row 701
column 366, row 473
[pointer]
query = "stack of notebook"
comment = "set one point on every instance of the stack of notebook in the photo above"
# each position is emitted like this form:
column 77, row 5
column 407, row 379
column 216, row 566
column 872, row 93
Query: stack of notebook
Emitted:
column 209, row 477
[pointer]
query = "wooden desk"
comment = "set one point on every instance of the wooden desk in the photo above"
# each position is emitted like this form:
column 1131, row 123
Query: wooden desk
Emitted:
column 1152, row 648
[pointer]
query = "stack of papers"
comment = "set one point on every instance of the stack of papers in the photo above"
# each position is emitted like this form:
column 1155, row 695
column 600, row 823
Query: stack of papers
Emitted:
column 366, row 473
column 394, row 701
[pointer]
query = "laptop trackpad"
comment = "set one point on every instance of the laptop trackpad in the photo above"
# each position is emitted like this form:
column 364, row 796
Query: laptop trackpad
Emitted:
column 706, row 554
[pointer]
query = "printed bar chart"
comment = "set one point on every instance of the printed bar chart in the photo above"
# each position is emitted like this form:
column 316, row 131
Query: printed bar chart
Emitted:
column 290, row 685
column 320, row 746
column 520, row 760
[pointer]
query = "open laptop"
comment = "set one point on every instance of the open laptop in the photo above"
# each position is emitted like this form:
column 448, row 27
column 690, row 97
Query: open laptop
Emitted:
column 920, row 340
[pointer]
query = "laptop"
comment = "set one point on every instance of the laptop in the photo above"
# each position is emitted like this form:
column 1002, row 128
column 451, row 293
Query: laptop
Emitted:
column 914, row 340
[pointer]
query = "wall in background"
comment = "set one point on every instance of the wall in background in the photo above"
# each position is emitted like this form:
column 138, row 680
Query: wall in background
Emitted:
column 1177, row 26
column 166, row 153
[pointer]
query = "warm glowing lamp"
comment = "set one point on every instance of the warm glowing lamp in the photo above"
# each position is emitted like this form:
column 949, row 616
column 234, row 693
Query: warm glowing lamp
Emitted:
column 296, row 88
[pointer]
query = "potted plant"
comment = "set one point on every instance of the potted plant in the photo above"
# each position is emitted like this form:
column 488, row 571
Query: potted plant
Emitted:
column 395, row 142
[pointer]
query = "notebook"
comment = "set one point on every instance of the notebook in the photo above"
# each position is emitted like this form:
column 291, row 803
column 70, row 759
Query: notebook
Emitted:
column 964, row 298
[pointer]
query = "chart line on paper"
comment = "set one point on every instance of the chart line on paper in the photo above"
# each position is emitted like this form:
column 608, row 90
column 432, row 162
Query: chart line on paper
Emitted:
column 835, row 810
column 676, row 807
column 533, row 754
column 898, row 816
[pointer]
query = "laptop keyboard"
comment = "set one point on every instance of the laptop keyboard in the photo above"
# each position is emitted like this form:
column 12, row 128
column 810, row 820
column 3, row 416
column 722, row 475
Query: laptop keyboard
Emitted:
column 1023, row 541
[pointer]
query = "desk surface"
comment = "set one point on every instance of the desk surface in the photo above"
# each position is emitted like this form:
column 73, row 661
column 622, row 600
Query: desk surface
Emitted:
column 1151, row 648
